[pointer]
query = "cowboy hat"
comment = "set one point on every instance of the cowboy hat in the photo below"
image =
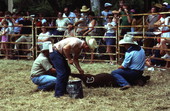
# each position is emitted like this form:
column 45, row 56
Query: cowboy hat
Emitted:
column 47, row 46
column 91, row 42
column 107, row 5
column 84, row 9
column 115, row 12
column 128, row 39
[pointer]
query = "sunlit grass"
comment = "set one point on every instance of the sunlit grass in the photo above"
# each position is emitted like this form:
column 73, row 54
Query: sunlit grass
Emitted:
column 16, row 92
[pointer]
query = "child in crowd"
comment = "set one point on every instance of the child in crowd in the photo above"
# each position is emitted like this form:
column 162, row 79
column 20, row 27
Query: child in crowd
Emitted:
column 110, row 34
column 4, row 38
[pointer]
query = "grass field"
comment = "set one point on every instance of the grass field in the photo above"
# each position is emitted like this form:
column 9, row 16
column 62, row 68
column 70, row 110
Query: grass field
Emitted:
column 16, row 92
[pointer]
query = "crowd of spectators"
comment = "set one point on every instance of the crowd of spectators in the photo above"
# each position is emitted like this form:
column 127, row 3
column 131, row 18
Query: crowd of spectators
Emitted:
column 82, row 22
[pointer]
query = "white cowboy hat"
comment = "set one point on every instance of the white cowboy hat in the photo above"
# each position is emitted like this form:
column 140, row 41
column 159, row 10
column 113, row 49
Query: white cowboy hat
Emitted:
column 47, row 46
column 84, row 9
column 91, row 42
column 107, row 5
column 128, row 39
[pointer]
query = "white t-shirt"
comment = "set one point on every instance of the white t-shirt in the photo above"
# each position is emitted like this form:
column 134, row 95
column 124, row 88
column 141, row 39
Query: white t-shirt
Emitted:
column 109, row 27
column 62, row 24
column 43, row 36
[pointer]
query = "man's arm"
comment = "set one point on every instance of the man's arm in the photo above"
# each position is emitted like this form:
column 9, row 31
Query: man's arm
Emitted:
column 52, row 70
column 67, row 51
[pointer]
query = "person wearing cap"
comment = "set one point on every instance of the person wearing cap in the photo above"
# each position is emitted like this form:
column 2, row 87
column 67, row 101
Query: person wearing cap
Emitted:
column 106, row 12
column 42, row 72
column 66, row 52
column 133, row 65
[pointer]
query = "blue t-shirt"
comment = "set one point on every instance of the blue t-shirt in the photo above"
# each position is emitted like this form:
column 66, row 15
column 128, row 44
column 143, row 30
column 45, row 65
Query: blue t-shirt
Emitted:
column 134, row 58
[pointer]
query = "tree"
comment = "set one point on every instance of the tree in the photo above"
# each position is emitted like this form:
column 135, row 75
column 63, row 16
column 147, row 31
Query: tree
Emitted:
column 95, row 6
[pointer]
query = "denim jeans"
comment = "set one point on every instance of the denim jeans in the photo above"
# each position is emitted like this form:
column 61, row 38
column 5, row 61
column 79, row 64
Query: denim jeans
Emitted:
column 125, row 76
column 63, row 71
column 45, row 82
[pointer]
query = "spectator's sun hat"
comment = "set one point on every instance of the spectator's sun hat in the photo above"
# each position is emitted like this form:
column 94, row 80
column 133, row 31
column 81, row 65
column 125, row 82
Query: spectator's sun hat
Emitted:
column 91, row 42
column 158, row 5
column 127, row 39
column 47, row 46
column 107, row 5
column 84, row 9
column 115, row 12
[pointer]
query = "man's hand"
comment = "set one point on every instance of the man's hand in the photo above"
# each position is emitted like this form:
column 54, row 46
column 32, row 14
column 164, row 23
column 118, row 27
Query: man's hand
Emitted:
column 70, row 61
column 81, row 71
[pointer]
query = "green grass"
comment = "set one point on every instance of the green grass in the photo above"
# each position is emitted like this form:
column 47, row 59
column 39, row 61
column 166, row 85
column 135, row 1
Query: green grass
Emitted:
column 16, row 92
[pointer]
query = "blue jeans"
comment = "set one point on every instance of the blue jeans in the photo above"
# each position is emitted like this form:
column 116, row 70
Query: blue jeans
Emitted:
column 63, row 71
column 125, row 76
column 45, row 82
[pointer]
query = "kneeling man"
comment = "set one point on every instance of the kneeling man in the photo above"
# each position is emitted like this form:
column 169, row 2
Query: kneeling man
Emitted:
column 42, row 70
column 133, row 64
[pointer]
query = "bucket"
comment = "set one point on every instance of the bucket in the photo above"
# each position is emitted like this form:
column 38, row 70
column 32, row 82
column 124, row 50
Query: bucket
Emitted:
column 75, row 89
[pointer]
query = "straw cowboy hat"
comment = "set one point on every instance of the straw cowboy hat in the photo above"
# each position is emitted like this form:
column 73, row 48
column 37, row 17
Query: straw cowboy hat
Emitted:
column 47, row 46
column 84, row 9
column 107, row 5
column 115, row 12
column 91, row 42
column 128, row 39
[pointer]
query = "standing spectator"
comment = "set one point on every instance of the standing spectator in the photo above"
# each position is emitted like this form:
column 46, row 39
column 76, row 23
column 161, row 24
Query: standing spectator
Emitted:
column 42, row 72
column 9, row 19
column 71, row 15
column 133, row 64
column 61, row 24
column 106, row 12
column 110, row 32
column 126, row 19
column 82, row 20
column 4, row 38
column 150, row 20
column 90, row 30
column 68, row 50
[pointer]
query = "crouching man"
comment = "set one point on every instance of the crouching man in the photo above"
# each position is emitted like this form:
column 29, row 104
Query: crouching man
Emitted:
column 42, row 70
column 133, row 65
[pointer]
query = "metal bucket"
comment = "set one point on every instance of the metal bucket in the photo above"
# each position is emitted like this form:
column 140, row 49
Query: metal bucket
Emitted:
column 75, row 89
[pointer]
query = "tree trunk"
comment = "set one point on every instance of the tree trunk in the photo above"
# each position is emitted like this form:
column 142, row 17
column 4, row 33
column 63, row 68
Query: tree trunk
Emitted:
column 95, row 6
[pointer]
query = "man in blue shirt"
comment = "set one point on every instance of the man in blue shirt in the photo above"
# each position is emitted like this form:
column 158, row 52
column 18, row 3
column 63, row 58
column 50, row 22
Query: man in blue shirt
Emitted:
column 133, row 64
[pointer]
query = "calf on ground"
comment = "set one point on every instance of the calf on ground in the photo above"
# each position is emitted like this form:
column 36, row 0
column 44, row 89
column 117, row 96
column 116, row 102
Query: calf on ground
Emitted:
column 99, row 80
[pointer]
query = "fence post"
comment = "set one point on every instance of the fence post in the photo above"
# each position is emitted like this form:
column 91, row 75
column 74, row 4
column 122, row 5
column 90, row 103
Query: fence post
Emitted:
column 33, row 39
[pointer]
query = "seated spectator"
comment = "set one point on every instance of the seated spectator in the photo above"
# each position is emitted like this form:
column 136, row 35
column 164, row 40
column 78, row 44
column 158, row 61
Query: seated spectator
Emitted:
column 42, row 72
column 70, row 32
column 156, row 54
column 26, row 37
column 166, row 35
column 43, row 37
